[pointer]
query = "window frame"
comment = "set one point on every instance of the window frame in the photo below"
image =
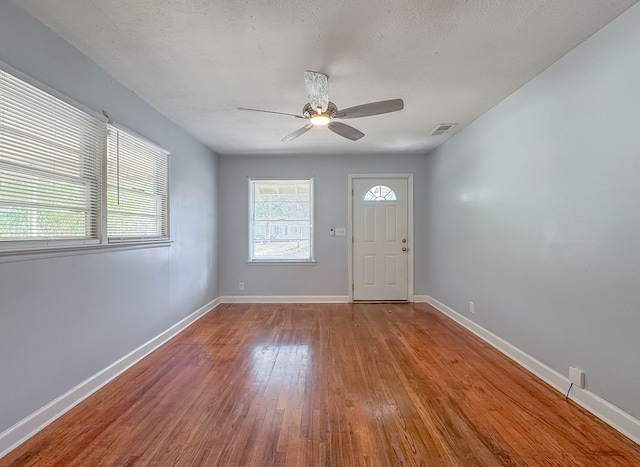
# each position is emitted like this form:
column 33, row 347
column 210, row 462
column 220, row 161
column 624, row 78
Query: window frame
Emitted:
column 42, row 248
column 250, row 230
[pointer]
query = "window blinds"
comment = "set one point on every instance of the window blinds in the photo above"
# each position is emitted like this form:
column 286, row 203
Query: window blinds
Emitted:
column 50, row 165
column 137, row 188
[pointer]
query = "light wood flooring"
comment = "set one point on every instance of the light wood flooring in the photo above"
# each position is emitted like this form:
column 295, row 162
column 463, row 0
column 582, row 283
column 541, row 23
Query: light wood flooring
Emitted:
column 325, row 385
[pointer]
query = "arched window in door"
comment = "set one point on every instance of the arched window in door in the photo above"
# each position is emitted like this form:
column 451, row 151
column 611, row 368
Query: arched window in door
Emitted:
column 380, row 193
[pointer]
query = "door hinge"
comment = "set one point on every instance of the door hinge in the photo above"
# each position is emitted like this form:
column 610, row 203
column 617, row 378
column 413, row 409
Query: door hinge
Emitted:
column 353, row 287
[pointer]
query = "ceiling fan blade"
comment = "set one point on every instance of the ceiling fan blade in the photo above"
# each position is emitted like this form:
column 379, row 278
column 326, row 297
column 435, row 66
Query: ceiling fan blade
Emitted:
column 270, row 112
column 373, row 108
column 345, row 130
column 298, row 132
column 317, row 85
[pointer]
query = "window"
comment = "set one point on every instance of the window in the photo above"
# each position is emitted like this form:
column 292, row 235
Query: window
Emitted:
column 380, row 193
column 50, row 166
column 137, row 188
column 57, row 189
column 281, row 220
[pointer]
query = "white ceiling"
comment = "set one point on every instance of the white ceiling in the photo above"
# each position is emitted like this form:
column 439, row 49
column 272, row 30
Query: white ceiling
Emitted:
column 196, row 61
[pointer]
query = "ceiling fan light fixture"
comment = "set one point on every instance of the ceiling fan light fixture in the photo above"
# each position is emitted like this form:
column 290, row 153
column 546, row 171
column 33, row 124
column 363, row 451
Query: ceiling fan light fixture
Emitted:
column 317, row 117
column 320, row 119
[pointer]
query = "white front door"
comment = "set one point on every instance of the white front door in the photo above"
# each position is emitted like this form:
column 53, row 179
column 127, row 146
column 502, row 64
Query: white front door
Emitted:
column 380, row 239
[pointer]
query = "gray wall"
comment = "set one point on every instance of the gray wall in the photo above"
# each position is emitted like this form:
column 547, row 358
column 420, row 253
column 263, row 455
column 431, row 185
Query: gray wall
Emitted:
column 533, row 213
column 329, row 275
column 64, row 319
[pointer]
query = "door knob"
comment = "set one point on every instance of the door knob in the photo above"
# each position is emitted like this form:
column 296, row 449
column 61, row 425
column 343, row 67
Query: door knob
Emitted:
column 404, row 248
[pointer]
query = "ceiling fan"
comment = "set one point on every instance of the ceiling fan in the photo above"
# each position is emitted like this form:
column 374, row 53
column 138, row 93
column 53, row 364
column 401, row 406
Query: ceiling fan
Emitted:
column 320, row 112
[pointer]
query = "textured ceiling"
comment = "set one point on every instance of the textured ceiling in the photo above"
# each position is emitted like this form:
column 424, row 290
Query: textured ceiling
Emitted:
column 196, row 61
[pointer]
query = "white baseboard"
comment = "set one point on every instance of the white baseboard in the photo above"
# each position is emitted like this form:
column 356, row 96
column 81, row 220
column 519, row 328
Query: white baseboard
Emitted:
column 296, row 298
column 29, row 426
column 284, row 299
column 607, row 412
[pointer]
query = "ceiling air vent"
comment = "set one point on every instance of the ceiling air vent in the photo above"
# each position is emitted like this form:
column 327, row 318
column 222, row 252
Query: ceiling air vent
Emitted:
column 442, row 129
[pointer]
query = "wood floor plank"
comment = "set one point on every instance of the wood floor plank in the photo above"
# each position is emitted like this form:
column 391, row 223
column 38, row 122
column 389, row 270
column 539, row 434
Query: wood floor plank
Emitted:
column 326, row 385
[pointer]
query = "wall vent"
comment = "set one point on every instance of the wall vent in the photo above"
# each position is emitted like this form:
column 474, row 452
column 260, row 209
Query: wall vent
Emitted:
column 442, row 129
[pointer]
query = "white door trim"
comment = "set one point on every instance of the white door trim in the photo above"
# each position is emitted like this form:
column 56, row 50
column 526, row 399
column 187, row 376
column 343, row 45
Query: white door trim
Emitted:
column 405, row 176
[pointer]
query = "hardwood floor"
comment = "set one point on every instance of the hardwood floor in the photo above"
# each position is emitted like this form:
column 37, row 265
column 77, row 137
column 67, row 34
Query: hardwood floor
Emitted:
column 334, row 384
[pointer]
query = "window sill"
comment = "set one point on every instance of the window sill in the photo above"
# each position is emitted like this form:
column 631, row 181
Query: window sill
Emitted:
column 12, row 255
column 283, row 262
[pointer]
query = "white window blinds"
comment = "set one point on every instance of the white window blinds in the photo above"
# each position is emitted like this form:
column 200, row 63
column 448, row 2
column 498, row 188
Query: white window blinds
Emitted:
column 137, row 188
column 50, row 166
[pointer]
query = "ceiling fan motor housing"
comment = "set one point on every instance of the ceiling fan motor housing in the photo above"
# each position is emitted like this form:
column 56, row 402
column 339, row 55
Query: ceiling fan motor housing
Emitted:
column 308, row 111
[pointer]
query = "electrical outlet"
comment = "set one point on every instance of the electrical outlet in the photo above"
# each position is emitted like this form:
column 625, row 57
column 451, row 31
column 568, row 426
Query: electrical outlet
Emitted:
column 472, row 307
column 241, row 286
column 576, row 376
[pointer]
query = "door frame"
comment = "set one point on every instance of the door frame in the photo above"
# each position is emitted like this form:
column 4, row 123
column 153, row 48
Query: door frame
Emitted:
column 410, row 234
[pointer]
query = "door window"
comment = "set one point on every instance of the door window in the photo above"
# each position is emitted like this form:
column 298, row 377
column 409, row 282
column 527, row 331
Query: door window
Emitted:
column 380, row 193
